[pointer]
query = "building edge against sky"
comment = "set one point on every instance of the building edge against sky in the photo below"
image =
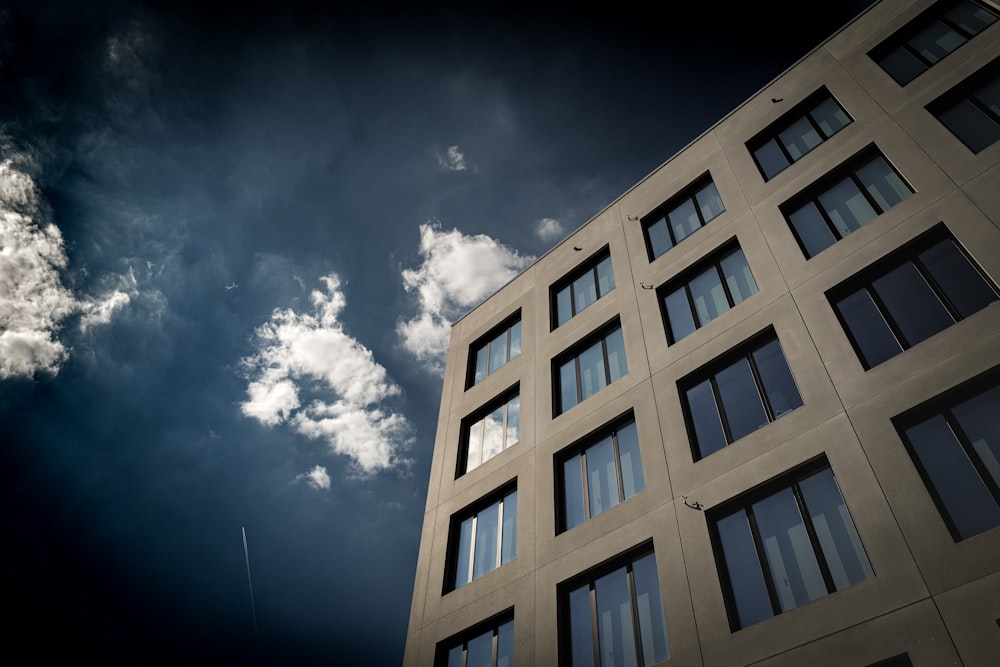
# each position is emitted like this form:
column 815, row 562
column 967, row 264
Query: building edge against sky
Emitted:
column 746, row 414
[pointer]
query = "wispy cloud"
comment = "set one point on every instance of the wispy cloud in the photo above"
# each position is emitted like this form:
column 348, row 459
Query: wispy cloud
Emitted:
column 452, row 160
column 549, row 229
column 457, row 272
column 318, row 478
column 301, row 351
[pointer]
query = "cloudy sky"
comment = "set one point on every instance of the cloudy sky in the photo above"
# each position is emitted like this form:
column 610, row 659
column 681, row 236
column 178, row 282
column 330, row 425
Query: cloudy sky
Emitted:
column 232, row 242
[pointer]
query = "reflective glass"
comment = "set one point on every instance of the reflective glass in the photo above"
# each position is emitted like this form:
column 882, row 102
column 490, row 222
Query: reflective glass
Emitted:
column 493, row 434
column 740, row 399
column 592, row 376
column 573, row 499
column 505, row 645
column 957, row 277
column 605, row 277
column 847, row 207
column 649, row 610
column 746, row 578
column 708, row 295
column 830, row 117
column 989, row 95
column 936, row 41
column 679, row 314
column 602, row 477
column 480, row 365
column 513, row 421
column 584, row 291
column 475, row 453
column 498, row 352
column 902, row 65
column 659, row 238
column 480, row 651
column 738, row 277
column 564, row 306
column 794, row 569
column 581, row 633
column 973, row 127
column 771, row 160
column 705, row 419
column 464, row 553
column 779, row 385
column 709, row 202
column 883, row 184
column 508, row 537
column 567, row 385
column 684, row 220
column 912, row 305
column 484, row 558
column 631, row 463
column 455, row 656
column 842, row 549
column 978, row 419
column 800, row 138
column 970, row 17
column 811, row 229
column 872, row 336
column 515, row 341
column 617, row 363
column 615, row 633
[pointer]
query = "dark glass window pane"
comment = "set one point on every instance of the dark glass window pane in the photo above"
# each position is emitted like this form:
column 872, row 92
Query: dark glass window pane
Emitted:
column 581, row 633
column 602, row 477
column 812, row 231
column 631, row 463
column 961, row 282
column 910, row 302
column 978, row 418
column 485, row 557
column 842, row 549
column 617, row 363
column 989, row 95
column 800, row 138
column 902, row 66
column 708, row 295
column 480, row 651
column 883, row 184
column 567, row 385
column 498, row 352
column 847, row 207
column 679, row 314
column 709, row 202
column 973, row 127
column 872, row 336
column 614, row 620
column 830, row 117
column 771, row 160
column 462, row 574
column 455, row 656
column 584, row 291
column 794, row 569
column 970, row 17
column 777, row 379
column 505, row 645
column 480, row 365
column 936, row 41
column 659, row 239
column 708, row 433
column 573, row 491
column 592, row 375
column 564, row 306
column 961, row 491
column 746, row 578
column 740, row 399
column 508, row 533
column 605, row 277
column 738, row 277
column 684, row 220
column 649, row 609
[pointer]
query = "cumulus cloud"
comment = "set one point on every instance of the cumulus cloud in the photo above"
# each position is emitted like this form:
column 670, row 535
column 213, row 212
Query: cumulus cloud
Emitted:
column 318, row 478
column 452, row 160
column 97, row 312
column 302, row 351
column 457, row 272
column 549, row 229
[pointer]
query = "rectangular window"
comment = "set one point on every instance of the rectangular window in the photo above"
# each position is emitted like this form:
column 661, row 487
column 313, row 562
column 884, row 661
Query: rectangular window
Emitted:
column 682, row 215
column 589, row 367
column 490, row 644
column 600, row 473
column 797, row 132
column 954, row 442
column 971, row 110
column 737, row 394
column 483, row 540
column 582, row 288
column 489, row 432
column 845, row 200
column 614, row 616
column 907, row 297
column 786, row 544
column 705, row 291
column 930, row 37
column 494, row 350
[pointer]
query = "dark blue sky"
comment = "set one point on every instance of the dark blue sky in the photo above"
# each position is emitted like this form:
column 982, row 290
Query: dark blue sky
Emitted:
column 233, row 237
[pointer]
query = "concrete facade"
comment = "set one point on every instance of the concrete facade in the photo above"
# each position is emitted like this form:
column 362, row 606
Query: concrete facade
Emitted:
column 932, row 597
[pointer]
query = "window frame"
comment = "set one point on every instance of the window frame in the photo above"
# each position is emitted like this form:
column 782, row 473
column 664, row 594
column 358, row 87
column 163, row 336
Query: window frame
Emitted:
column 847, row 170
column 906, row 253
column 580, row 447
column 492, row 624
column 484, row 342
column 662, row 212
column 966, row 91
column 901, row 37
column 788, row 119
column 473, row 511
column 601, row 334
column 709, row 371
column 942, row 405
column 589, row 265
column 501, row 400
column 685, row 277
column 744, row 502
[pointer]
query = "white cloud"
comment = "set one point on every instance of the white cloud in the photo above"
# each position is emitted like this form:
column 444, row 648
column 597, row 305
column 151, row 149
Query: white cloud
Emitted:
column 453, row 160
column 300, row 348
column 549, row 229
column 318, row 478
column 97, row 312
column 457, row 272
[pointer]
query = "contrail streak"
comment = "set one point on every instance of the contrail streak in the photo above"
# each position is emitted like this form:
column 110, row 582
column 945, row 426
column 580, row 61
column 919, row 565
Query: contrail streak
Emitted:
column 253, row 607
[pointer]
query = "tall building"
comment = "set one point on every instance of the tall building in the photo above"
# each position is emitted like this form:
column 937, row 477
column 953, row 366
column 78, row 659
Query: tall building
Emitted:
column 750, row 412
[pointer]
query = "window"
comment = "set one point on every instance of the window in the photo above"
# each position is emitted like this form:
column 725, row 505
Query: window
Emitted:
column 930, row 37
column 971, row 111
column 683, row 215
column 954, row 442
column 748, row 388
column 844, row 201
column 589, row 367
column 582, row 288
column 487, row 645
column 486, row 434
column 797, row 132
column 494, row 350
column 483, row 540
column 615, row 617
column 705, row 291
column 926, row 286
column 599, row 474
column 786, row 544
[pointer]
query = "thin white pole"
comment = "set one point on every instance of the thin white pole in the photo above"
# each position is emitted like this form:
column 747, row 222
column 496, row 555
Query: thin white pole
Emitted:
column 253, row 607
